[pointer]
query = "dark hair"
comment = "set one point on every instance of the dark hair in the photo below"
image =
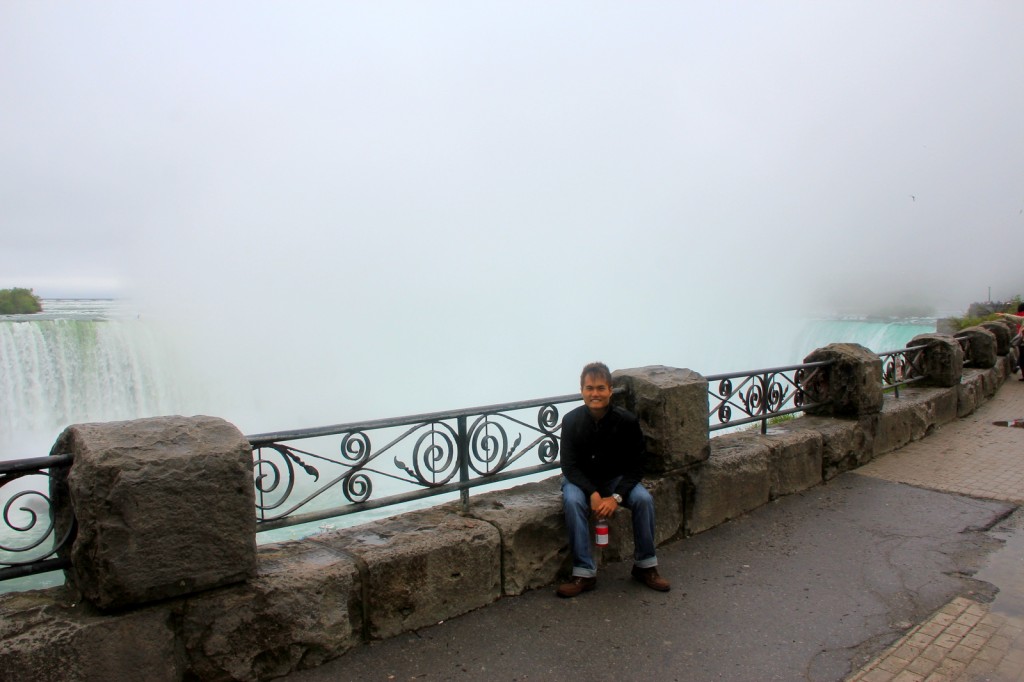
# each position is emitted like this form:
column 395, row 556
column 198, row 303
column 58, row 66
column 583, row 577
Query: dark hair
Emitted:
column 597, row 369
column 1020, row 307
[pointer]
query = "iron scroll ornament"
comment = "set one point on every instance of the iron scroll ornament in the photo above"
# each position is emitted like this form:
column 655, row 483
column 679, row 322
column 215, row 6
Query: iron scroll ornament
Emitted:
column 355, row 449
column 31, row 518
column 766, row 394
column 428, row 456
column 548, row 420
column 268, row 475
column 724, row 409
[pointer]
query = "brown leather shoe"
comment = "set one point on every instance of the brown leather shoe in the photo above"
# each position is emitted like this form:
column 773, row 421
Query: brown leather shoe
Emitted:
column 576, row 585
column 650, row 577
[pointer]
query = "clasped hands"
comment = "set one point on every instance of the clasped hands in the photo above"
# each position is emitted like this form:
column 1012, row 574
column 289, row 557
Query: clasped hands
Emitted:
column 603, row 507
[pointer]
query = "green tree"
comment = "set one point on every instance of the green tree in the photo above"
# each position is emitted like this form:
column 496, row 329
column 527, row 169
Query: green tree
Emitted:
column 19, row 301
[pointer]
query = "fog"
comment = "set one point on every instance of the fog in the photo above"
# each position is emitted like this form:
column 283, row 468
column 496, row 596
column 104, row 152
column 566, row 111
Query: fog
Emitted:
column 357, row 209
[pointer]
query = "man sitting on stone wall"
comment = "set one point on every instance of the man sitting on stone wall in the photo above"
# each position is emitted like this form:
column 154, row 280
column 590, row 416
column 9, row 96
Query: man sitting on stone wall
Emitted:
column 602, row 456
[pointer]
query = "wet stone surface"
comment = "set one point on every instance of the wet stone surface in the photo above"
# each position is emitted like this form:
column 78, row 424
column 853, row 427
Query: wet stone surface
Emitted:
column 810, row 586
column 906, row 569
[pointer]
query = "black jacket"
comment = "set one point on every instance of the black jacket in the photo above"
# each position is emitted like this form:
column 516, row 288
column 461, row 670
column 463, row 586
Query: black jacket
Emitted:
column 594, row 453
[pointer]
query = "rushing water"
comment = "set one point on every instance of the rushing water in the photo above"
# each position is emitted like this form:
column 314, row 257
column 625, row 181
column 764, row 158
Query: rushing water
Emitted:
column 97, row 360
column 79, row 361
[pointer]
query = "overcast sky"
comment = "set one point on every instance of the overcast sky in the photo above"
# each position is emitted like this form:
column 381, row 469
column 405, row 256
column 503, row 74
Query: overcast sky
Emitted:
column 512, row 166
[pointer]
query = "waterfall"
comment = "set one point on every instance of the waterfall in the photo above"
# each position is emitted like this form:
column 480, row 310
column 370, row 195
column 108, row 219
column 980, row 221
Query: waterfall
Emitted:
column 88, row 361
column 57, row 371
column 876, row 335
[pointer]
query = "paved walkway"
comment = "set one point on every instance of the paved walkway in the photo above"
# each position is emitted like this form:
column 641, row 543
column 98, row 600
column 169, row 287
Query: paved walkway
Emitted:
column 966, row 639
column 972, row 456
column 804, row 588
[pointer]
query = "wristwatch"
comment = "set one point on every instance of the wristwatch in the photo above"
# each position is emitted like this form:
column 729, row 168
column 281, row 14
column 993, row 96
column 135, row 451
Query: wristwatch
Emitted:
column 617, row 497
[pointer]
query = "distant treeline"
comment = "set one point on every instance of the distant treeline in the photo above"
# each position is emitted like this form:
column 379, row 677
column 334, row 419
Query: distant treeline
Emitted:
column 19, row 302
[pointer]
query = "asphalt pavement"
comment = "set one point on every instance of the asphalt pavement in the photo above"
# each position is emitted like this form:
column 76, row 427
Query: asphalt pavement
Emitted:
column 909, row 568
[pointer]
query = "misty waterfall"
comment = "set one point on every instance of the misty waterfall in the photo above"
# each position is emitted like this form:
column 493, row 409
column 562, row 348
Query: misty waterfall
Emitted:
column 67, row 367
column 56, row 372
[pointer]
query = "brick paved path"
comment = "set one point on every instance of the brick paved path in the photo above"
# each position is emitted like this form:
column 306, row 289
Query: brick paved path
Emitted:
column 965, row 640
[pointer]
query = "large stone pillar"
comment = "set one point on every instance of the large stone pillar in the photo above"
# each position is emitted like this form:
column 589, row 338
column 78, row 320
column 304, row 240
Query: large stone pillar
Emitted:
column 1003, row 334
column 672, row 405
column 943, row 362
column 982, row 352
column 164, row 507
column 852, row 383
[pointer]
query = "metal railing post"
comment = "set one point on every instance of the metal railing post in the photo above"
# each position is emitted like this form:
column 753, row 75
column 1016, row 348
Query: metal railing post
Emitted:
column 463, row 449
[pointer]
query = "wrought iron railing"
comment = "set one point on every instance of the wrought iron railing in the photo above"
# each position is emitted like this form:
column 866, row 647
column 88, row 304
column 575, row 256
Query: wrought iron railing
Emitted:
column 762, row 394
column 902, row 367
column 29, row 539
column 314, row 474
column 309, row 475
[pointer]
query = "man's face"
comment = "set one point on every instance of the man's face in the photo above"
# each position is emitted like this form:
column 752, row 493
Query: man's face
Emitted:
column 597, row 393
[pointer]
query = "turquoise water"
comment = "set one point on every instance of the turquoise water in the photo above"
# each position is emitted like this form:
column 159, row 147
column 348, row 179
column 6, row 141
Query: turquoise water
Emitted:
column 878, row 336
column 97, row 361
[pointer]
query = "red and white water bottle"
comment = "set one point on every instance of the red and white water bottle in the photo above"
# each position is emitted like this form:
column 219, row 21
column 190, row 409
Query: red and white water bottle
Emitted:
column 601, row 533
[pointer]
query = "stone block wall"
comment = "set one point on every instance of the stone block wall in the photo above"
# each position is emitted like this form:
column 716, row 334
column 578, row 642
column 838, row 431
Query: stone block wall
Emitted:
column 140, row 491
column 312, row 600
column 795, row 461
column 943, row 361
column 528, row 519
column 301, row 609
column 421, row 567
column 732, row 482
column 672, row 406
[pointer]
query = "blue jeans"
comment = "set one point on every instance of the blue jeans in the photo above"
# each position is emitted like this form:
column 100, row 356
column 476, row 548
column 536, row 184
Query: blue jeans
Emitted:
column 577, row 521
